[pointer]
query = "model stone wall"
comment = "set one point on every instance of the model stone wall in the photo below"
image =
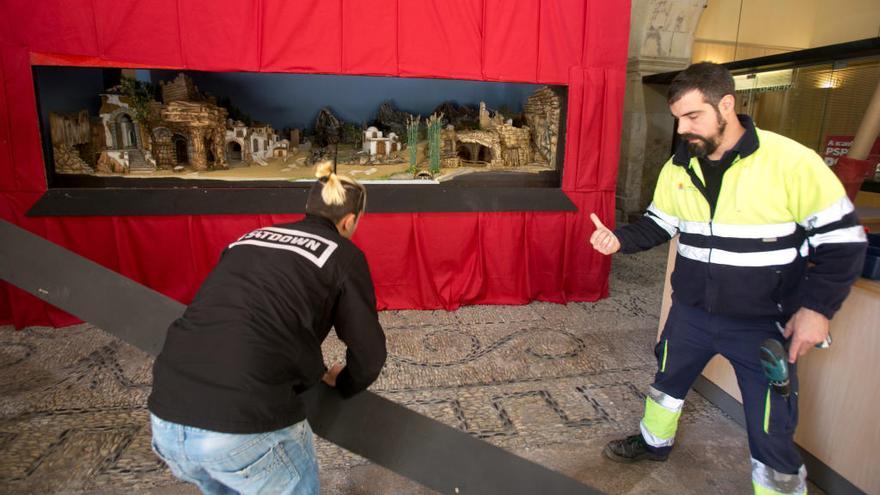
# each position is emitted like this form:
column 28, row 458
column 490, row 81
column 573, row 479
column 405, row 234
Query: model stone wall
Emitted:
column 516, row 143
column 542, row 111
column 204, row 125
column 181, row 88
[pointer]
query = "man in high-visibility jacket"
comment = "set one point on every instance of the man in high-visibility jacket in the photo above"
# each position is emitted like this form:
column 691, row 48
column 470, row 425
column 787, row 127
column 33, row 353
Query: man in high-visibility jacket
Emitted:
column 768, row 247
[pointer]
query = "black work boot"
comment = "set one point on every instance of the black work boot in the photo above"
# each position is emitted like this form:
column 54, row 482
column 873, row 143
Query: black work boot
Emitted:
column 631, row 449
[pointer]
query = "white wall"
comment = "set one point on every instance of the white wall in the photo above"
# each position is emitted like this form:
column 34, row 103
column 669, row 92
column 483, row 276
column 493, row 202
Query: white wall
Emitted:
column 738, row 29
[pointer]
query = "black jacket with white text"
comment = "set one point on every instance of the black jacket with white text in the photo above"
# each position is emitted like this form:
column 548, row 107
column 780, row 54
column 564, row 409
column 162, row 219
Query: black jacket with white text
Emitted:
column 251, row 338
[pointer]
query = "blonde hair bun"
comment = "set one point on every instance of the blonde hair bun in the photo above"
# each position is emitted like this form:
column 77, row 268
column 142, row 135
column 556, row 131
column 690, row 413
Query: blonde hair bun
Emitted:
column 324, row 169
column 333, row 192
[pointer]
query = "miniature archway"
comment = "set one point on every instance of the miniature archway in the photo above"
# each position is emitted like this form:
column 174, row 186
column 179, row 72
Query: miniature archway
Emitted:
column 126, row 132
column 181, row 149
column 474, row 153
column 233, row 151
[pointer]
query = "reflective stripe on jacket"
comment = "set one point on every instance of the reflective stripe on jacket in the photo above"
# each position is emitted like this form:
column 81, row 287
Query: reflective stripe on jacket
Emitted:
column 779, row 207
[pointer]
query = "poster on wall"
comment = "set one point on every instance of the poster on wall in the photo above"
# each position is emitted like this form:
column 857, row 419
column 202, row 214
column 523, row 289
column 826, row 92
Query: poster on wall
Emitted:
column 837, row 146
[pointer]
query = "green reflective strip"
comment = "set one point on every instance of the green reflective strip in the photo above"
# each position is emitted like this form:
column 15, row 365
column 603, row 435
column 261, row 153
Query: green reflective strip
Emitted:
column 767, row 412
column 661, row 422
column 763, row 490
column 665, row 349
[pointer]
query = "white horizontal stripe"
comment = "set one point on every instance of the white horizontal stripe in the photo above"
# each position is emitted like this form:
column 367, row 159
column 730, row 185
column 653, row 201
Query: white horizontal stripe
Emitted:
column 762, row 231
column 701, row 228
column 653, row 440
column 849, row 234
column 773, row 480
column 665, row 401
column 663, row 225
column 759, row 231
column 722, row 257
column 833, row 213
column 694, row 253
column 668, row 223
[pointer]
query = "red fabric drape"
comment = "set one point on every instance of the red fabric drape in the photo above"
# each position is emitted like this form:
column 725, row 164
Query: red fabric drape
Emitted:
column 119, row 21
column 509, row 56
column 560, row 46
column 418, row 260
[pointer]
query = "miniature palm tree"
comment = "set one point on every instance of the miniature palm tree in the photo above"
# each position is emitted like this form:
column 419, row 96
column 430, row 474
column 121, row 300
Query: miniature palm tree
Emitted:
column 412, row 141
column 434, row 124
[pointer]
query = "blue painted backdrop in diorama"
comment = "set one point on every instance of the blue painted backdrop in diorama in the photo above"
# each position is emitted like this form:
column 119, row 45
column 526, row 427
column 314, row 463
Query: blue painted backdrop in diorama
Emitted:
column 294, row 100
column 285, row 100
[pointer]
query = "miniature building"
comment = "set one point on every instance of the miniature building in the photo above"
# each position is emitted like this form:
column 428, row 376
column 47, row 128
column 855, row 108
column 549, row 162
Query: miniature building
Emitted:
column 496, row 144
column 187, row 128
column 71, row 134
column 377, row 145
column 199, row 129
column 124, row 137
column 542, row 111
column 251, row 144
column 237, row 150
column 281, row 148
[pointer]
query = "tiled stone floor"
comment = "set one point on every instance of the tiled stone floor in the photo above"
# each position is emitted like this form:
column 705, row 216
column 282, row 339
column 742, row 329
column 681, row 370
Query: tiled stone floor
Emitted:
column 549, row 382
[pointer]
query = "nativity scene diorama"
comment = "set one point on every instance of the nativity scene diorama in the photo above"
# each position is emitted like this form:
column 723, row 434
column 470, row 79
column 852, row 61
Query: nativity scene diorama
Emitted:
column 172, row 129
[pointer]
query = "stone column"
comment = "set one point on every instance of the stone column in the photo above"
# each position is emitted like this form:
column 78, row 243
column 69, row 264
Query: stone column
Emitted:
column 199, row 159
column 219, row 148
column 661, row 40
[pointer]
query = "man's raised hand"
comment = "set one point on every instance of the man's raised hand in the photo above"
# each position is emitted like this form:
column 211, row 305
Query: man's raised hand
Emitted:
column 603, row 239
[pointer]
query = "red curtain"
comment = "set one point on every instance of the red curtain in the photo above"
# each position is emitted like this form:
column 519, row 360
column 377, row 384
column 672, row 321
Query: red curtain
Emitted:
column 418, row 260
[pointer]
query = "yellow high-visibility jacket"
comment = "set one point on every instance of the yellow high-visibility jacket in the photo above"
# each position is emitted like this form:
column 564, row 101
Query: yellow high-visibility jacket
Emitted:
column 782, row 235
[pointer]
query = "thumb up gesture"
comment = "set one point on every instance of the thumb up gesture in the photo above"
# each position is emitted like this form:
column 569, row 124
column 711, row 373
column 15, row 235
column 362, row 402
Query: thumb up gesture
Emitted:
column 603, row 239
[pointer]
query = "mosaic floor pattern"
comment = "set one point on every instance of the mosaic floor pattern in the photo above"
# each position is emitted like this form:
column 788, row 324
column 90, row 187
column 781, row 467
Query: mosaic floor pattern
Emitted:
column 549, row 382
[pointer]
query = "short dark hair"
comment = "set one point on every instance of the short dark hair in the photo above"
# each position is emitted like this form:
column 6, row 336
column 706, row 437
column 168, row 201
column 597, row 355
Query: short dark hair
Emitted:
column 711, row 79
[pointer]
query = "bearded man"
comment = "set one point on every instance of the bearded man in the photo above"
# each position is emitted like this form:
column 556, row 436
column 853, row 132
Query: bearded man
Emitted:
column 768, row 248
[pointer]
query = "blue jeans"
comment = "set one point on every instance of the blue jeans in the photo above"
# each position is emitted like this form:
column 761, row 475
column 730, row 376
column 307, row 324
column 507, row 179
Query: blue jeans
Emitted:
column 277, row 462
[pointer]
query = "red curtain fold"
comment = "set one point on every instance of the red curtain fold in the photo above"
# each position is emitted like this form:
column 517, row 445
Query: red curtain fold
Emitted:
column 601, row 124
column 606, row 34
column 418, row 260
column 221, row 35
column 302, row 36
column 545, row 250
column 506, row 57
column 572, row 167
column 561, row 41
column 389, row 244
column 7, row 178
column 157, row 252
column 586, row 270
column 448, row 251
column 369, row 37
column 504, row 259
column 441, row 38
column 54, row 26
column 26, row 168
column 146, row 33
